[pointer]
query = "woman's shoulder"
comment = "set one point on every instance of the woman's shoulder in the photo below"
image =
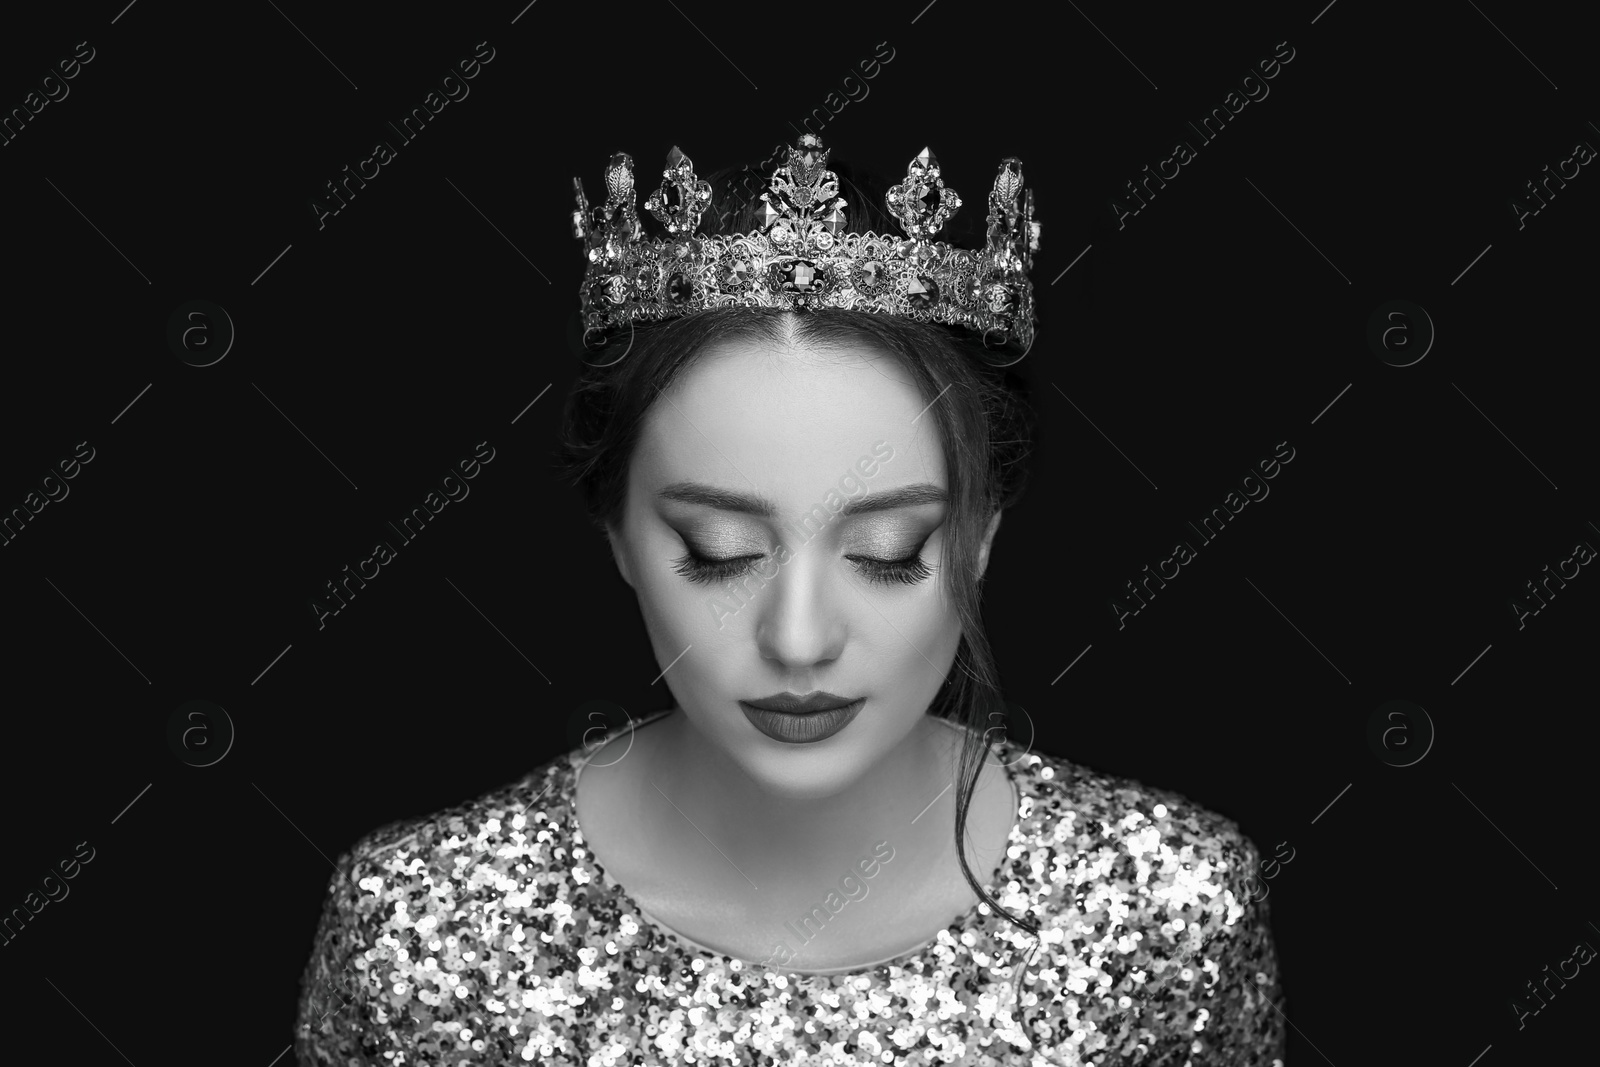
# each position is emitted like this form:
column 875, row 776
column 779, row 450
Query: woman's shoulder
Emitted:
column 1148, row 900
column 1146, row 914
column 418, row 907
column 1090, row 806
column 452, row 831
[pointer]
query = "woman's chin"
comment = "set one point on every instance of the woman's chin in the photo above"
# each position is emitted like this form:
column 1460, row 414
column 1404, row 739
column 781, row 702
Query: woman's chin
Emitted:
column 803, row 772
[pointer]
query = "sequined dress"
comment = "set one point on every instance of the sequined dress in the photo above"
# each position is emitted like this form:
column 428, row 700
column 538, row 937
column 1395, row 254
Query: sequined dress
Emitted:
column 487, row 934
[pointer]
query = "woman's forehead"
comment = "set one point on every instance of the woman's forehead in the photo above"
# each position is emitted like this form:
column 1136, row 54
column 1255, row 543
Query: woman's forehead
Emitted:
column 751, row 412
column 802, row 382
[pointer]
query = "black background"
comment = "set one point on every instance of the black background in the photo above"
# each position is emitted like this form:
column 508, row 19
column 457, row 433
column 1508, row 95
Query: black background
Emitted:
column 1222, row 319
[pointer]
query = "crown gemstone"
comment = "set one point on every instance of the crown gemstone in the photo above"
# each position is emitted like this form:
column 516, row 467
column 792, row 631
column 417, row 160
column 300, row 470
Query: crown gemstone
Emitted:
column 801, row 277
column 913, row 252
column 923, row 292
column 872, row 276
column 679, row 289
column 738, row 274
column 683, row 249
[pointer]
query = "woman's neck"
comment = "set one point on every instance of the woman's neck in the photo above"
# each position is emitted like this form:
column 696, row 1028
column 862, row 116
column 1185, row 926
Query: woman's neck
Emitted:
column 702, row 796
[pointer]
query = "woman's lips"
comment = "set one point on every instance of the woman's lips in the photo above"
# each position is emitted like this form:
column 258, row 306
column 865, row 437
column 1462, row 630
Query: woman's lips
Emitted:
column 791, row 704
column 801, row 728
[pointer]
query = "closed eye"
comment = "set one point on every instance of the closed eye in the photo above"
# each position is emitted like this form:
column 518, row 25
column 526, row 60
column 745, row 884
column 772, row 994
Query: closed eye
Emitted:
column 704, row 569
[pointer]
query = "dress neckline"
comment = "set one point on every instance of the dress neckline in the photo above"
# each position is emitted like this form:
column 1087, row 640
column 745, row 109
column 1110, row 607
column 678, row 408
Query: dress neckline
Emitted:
column 574, row 762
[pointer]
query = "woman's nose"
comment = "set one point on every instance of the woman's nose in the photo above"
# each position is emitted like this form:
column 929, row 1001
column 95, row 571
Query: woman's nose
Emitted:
column 800, row 619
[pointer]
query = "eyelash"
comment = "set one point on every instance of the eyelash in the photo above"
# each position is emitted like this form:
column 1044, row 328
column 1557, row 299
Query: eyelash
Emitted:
column 908, row 571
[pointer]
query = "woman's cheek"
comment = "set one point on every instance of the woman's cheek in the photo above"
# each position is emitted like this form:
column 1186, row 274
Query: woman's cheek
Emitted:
column 931, row 617
column 665, row 611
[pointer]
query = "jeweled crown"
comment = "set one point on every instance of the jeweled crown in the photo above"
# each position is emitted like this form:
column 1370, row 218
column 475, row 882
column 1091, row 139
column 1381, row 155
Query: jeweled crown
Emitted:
column 801, row 256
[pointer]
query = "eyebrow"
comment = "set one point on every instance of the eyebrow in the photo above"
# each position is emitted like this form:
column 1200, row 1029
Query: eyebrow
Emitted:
column 711, row 496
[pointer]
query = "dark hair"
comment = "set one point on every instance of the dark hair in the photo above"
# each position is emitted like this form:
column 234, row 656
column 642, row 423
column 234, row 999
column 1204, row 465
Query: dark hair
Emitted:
column 981, row 411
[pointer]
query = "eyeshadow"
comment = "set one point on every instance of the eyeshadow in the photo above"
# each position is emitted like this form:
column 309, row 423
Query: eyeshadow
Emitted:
column 723, row 542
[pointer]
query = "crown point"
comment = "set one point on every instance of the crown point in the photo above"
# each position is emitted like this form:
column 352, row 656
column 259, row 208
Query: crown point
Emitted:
column 1009, row 180
column 926, row 160
column 675, row 158
column 808, row 152
column 619, row 178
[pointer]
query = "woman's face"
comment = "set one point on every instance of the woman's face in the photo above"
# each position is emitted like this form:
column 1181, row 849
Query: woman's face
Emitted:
column 859, row 610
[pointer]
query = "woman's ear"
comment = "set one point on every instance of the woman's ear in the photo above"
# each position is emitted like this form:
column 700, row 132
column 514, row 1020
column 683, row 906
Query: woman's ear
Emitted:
column 619, row 553
column 988, row 539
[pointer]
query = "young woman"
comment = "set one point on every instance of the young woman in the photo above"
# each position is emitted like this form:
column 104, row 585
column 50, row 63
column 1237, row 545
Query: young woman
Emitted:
column 800, row 441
